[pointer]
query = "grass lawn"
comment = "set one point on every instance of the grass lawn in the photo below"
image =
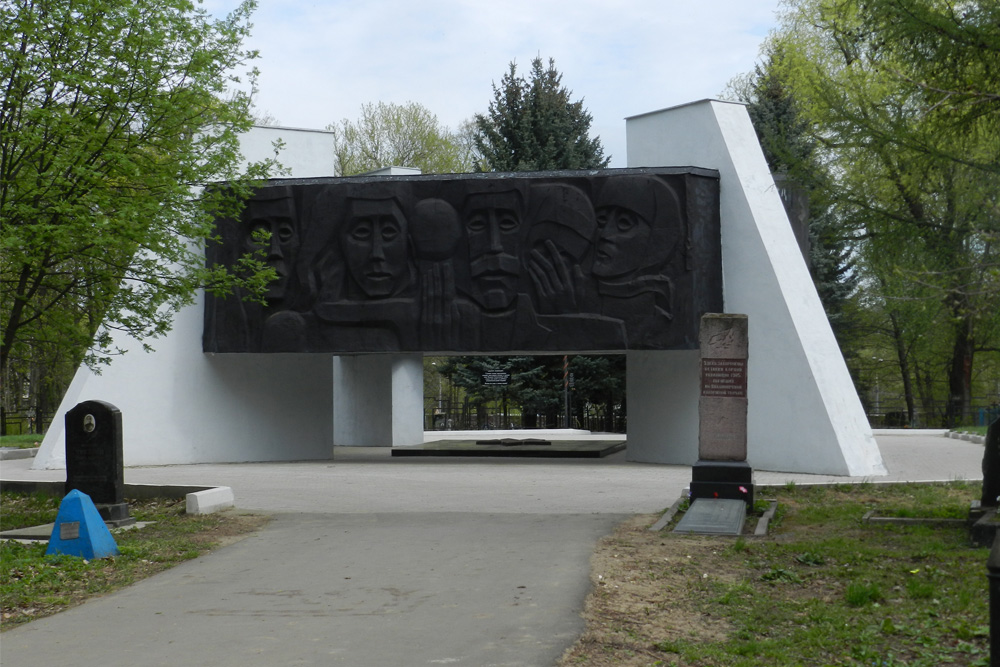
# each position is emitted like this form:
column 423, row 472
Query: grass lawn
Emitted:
column 25, row 441
column 33, row 585
column 823, row 588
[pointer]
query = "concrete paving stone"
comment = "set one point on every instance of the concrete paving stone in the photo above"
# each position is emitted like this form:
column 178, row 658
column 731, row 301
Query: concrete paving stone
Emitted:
column 372, row 559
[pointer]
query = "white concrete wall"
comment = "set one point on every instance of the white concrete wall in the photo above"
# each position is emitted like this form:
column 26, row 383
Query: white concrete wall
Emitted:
column 662, row 390
column 804, row 413
column 305, row 154
column 180, row 405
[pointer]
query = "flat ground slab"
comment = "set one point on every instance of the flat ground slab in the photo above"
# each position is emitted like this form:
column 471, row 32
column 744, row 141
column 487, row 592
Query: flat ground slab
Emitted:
column 554, row 449
column 713, row 516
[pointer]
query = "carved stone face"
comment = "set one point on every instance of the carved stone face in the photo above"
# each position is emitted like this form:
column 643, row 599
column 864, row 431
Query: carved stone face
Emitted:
column 639, row 227
column 277, row 218
column 375, row 247
column 622, row 242
column 492, row 226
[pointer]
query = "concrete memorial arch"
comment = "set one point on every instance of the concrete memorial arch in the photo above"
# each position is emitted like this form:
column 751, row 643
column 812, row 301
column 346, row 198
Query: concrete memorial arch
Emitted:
column 376, row 271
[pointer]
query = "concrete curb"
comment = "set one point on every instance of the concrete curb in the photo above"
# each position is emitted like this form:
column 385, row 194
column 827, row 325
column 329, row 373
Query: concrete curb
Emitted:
column 200, row 499
column 210, row 500
column 9, row 454
column 969, row 437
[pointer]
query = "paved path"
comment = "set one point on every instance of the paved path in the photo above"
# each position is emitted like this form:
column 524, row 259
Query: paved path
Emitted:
column 373, row 560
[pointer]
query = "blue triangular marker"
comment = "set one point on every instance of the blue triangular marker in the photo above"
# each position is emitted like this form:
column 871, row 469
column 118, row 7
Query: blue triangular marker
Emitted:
column 80, row 530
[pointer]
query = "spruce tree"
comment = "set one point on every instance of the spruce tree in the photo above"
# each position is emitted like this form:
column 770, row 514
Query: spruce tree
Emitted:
column 533, row 125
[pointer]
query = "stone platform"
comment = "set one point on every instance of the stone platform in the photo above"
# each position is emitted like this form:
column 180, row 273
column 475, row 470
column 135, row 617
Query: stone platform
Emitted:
column 505, row 447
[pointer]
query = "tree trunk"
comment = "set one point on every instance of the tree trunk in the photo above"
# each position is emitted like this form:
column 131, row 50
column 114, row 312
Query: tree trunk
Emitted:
column 925, row 389
column 481, row 417
column 959, row 408
column 904, row 371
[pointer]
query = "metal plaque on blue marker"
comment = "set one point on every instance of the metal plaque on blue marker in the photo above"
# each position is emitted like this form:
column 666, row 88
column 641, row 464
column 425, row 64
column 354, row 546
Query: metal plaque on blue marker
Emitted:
column 80, row 531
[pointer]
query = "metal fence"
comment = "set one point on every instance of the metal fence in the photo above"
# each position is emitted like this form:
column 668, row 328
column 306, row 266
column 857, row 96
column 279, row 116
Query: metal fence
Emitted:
column 25, row 422
column 891, row 415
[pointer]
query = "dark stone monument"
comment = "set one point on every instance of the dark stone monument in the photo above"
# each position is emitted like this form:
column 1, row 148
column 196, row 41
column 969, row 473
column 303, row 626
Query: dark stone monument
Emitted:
column 983, row 517
column 94, row 462
column 722, row 470
column 993, row 577
column 566, row 261
column 991, row 466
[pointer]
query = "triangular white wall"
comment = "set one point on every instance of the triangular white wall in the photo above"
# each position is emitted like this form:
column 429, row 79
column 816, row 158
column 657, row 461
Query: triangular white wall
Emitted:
column 804, row 412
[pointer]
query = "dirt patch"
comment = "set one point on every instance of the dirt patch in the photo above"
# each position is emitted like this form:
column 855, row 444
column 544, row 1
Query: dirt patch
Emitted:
column 647, row 588
column 232, row 527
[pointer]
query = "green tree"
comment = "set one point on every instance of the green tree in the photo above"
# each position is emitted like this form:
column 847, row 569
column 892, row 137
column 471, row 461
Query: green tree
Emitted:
column 919, row 193
column 949, row 52
column 793, row 154
column 600, row 389
column 113, row 113
column 533, row 125
column 400, row 135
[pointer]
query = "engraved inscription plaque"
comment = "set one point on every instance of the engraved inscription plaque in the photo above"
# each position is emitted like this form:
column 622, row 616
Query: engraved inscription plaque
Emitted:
column 724, row 377
column 575, row 261
column 722, row 408
column 69, row 530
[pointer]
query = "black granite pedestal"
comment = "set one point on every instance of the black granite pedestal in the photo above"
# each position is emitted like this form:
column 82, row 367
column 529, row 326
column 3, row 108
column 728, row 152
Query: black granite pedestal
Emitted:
column 722, row 479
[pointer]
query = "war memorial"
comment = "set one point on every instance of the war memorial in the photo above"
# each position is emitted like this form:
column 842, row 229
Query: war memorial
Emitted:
column 376, row 271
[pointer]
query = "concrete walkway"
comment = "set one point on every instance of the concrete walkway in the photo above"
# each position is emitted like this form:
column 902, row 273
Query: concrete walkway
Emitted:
column 373, row 560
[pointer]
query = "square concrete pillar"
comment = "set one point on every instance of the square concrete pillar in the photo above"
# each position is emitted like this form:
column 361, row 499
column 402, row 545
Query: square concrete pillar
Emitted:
column 378, row 400
column 663, row 406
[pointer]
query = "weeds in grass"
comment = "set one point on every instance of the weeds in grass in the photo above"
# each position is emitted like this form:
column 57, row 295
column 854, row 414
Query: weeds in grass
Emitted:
column 810, row 558
column 861, row 593
column 781, row 574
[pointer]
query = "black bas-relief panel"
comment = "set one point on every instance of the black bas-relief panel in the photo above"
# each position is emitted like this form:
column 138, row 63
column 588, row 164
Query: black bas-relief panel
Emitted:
column 604, row 260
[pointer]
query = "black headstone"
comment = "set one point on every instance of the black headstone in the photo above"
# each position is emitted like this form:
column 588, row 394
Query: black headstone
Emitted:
column 991, row 465
column 94, row 459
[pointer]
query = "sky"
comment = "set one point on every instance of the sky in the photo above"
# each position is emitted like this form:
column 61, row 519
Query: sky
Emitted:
column 321, row 60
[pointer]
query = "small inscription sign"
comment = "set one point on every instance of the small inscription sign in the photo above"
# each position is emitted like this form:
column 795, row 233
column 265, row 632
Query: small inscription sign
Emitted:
column 69, row 530
column 496, row 377
column 724, row 377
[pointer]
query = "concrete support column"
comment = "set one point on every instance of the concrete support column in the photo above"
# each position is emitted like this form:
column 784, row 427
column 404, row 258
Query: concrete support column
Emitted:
column 378, row 400
column 663, row 406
